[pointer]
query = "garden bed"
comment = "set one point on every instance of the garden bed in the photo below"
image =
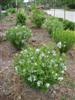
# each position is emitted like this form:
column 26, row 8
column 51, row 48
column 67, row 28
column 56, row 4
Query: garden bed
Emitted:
column 12, row 88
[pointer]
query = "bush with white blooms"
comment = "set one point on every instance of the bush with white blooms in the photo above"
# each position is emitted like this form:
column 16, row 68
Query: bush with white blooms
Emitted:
column 40, row 67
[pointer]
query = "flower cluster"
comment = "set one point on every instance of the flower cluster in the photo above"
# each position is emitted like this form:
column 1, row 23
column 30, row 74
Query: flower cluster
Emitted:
column 40, row 67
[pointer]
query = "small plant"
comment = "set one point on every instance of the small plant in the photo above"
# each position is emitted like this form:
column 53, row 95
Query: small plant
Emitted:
column 38, row 18
column 18, row 36
column 52, row 24
column 21, row 18
column 65, row 38
column 11, row 10
column 40, row 67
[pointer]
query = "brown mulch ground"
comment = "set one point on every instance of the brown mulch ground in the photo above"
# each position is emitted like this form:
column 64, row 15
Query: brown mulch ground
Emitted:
column 12, row 88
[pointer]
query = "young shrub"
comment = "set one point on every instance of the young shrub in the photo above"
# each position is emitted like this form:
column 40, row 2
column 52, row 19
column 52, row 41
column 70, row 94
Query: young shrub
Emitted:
column 41, row 67
column 65, row 38
column 38, row 18
column 11, row 10
column 18, row 36
column 52, row 24
column 68, row 25
column 21, row 18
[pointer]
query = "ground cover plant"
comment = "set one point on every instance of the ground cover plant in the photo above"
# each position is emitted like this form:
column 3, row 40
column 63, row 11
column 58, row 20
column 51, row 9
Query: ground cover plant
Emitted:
column 40, row 67
column 18, row 36
column 66, row 39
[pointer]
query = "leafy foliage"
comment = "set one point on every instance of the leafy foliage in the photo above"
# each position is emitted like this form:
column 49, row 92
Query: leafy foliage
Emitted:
column 38, row 18
column 67, row 39
column 18, row 36
column 41, row 67
column 69, row 25
column 21, row 17
column 52, row 24
column 11, row 10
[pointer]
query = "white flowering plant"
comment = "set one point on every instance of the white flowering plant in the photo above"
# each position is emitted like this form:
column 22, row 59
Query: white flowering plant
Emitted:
column 18, row 35
column 40, row 67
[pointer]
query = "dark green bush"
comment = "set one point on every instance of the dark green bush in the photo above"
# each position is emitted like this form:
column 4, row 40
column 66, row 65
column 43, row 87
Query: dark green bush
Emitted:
column 68, row 25
column 18, row 36
column 21, row 18
column 38, row 18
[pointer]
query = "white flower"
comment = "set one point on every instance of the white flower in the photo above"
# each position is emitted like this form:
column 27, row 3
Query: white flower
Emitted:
column 60, row 78
column 32, row 58
column 62, row 72
column 47, row 85
column 48, row 52
column 54, row 53
column 30, row 79
column 42, row 55
column 25, row 50
column 37, row 50
column 16, row 68
column 56, row 74
column 20, row 62
column 60, row 59
column 56, row 65
column 39, row 83
column 35, row 64
column 23, row 41
column 64, row 45
column 59, row 45
column 34, row 78
column 52, row 61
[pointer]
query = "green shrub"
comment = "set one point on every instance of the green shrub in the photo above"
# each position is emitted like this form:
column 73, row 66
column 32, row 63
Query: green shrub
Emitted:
column 18, row 36
column 68, row 25
column 52, row 24
column 21, row 18
column 38, row 18
column 41, row 67
column 11, row 10
column 67, row 39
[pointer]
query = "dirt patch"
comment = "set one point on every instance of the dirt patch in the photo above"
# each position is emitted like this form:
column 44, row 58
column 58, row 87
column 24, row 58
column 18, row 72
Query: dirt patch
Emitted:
column 6, row 53
column 39, row 37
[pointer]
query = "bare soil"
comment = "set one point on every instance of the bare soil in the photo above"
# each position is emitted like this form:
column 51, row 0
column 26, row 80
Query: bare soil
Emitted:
column 12, row 87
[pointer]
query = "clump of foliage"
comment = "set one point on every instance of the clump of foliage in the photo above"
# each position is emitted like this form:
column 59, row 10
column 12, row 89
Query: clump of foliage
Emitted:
column 18, row 36
column 52, row 24
column 11, row 10
column 21, row 17
column 40, row 67
column 67, row 39
column 68, row 25
column 38, row 17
